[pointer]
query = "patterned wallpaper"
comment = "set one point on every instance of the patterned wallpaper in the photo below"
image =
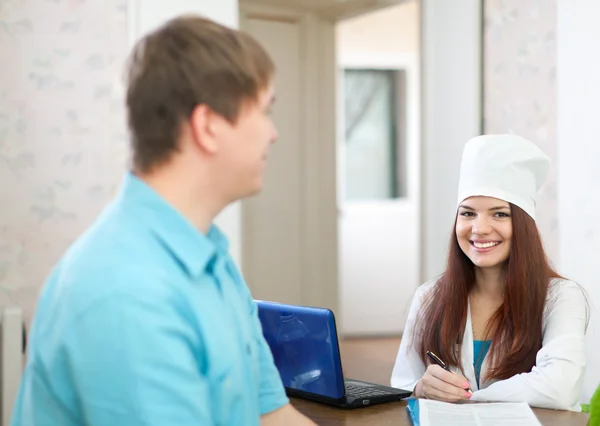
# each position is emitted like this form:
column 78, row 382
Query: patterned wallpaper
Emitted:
column 520, row 87
column 63, row 144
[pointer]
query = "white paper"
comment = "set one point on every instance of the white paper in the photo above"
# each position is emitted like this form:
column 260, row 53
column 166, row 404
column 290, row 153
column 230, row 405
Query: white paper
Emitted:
column 435, row 413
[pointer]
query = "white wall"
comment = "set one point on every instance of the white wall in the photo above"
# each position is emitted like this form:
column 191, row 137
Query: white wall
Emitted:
column 144, row 15
column 578, row 71
column 451, row 44
column 389, row 32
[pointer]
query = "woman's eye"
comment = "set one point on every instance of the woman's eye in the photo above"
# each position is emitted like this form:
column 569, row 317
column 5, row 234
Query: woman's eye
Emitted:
column 502, row 214
column 467, row 214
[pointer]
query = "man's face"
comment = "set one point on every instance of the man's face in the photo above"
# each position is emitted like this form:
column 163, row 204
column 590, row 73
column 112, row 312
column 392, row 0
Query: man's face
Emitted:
column 244, row 146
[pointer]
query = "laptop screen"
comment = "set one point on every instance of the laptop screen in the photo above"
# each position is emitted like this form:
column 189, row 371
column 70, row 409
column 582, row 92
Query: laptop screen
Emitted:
column 305, row 348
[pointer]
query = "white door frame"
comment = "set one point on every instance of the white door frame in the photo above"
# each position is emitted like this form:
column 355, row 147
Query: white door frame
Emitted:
column 318, row 283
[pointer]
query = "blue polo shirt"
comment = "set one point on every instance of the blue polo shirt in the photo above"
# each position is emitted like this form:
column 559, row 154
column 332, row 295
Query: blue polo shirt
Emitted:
column 146, row 321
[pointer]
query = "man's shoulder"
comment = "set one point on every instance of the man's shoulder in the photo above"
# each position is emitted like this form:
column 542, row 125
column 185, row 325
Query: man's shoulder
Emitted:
column 108, row 246
column 114, row 231
column 115, row 255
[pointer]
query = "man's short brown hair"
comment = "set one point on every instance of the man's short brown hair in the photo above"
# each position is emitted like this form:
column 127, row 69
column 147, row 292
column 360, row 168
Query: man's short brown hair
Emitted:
column 186, row 62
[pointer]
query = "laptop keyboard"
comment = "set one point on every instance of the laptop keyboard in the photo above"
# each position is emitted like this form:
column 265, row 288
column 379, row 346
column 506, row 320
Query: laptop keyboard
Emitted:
column 364, row 391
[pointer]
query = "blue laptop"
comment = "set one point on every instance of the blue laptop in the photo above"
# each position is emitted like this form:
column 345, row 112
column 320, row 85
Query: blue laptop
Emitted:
column 305, row 347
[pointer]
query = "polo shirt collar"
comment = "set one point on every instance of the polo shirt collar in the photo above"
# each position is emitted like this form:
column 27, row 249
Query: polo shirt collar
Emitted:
column 193, row 249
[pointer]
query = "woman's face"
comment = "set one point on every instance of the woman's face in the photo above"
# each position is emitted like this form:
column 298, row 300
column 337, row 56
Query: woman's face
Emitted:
column 484, row 230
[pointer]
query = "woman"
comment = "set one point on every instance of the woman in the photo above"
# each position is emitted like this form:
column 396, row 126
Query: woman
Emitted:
column 507, row 325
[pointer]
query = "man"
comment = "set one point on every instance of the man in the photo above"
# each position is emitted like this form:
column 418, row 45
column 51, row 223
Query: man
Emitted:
column 146, row 319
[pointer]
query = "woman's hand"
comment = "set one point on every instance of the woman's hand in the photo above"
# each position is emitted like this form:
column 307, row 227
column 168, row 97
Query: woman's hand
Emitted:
column 441, row 385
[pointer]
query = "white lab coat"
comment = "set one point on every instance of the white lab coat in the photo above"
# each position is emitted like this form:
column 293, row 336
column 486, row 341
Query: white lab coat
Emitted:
column 554, row 382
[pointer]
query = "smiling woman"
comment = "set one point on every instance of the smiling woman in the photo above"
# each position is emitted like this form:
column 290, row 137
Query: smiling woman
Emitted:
column 508, row 326
column 484, row 230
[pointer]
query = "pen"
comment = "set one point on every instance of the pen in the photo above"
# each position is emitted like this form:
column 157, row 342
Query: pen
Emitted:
column 442, row 364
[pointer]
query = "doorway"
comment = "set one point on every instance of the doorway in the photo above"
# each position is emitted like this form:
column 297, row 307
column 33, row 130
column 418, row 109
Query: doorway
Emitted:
column 304, row 238
column 378, row 167
column 316, row 235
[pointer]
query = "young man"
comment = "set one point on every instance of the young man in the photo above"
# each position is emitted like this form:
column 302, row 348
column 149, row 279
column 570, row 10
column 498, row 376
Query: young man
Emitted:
column 146, row 319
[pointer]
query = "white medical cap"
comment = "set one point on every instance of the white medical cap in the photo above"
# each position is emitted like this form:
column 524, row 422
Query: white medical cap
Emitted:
column 506, row 167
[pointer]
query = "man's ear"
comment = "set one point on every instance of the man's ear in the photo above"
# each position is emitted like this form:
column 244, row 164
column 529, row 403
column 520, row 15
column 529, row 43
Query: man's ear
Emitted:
column 204, row 124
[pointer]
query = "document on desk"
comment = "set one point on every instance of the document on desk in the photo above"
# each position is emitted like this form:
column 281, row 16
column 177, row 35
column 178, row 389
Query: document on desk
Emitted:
column 434, row 413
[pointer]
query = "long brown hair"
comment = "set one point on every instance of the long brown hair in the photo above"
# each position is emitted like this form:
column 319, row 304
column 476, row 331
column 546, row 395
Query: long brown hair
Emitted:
column 516, row 327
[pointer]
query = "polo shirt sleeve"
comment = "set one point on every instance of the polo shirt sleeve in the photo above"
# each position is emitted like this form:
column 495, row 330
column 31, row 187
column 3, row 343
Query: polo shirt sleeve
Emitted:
column 133, row 361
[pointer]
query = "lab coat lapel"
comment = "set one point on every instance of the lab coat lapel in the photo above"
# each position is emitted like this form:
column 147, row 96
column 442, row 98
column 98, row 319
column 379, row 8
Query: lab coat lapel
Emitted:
column 467, row 351
column 483, row 383
column 483, row 373
column 468, row 358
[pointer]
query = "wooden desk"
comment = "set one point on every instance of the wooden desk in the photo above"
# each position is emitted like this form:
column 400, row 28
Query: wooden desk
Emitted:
column 372, row 360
